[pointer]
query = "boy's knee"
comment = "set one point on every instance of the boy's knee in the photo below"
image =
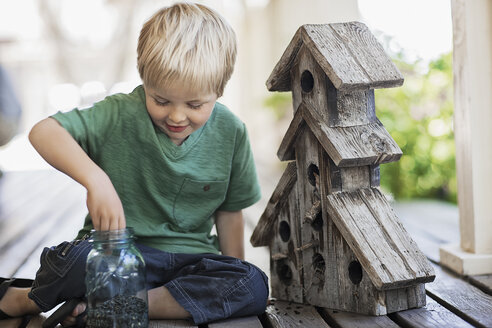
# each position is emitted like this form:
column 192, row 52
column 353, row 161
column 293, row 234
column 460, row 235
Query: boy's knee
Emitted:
column 259, row 289
column 255, row 282
column 61, row 274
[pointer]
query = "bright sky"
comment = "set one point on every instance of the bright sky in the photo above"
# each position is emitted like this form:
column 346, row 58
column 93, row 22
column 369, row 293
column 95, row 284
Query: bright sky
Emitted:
column 422, row 27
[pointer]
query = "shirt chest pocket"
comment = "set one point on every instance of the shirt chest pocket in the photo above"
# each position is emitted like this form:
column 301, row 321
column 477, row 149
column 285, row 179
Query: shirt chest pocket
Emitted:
column 196, row 201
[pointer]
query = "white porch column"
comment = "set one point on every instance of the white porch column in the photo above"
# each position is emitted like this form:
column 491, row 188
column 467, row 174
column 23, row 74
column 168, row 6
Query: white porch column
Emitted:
column 472, row 30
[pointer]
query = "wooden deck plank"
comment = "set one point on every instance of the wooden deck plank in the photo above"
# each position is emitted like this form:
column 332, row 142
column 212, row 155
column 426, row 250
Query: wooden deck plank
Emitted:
column 484, row 282
column 61, row 205
column 433, row 315
column 66, row 229
column 244, row 322
column 352, row 320
column 461, row 298
column 280, row 314
column 18, row 218
column 16, row 254
column 430, row 223
column 171, row 324
column 13, row 186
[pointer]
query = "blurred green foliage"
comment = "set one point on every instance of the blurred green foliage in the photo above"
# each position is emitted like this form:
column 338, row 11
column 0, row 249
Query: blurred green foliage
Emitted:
column 419, row 116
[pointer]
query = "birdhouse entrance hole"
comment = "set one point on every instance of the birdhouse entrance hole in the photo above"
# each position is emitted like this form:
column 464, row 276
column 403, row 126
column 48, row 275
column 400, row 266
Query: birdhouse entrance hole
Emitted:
column 313, row 174
column 355, row 272
column 284, row 272
column 318, row 222
column 284, row 231
column 319, row 268
column 307, row 81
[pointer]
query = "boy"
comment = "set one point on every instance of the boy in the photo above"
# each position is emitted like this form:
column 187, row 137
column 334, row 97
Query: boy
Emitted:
column 169, row 161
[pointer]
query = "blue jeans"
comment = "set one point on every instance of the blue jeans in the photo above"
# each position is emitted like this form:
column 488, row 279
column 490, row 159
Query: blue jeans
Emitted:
column 209, row 286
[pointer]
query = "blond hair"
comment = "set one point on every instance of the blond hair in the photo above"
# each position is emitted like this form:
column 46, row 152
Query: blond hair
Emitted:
column 186, row 43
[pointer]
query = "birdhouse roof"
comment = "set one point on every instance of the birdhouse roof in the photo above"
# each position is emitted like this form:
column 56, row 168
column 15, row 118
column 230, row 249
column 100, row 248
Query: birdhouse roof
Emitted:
column 358, row 145
column 262, row 234
column 348, row 53
column 379, row 241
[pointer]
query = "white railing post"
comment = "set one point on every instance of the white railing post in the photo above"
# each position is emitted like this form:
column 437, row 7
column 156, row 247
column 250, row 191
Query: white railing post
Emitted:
column 472, row 39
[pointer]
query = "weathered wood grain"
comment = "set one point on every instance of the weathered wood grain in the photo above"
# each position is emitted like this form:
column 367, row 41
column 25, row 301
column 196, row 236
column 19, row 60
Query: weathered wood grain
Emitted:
column 404, row 298
column 263, row 231
column 286, row 150
column 338, row 290
column 484, row 282
column 317, row 98
column 354, row 108
column 43, row 221
column 347, row 52
column 285, row 262
column 13, row 215
column 309, row 184
column 245, row 322
column 170, row 324
column 433, row 315
column 354, row 178
column 467, row 301
column 335, row 108
column 375, row 175
column 289, row 315
column 383, row 212
column 352, row 320
column 334, row 57
column 360, row 145
column 355, row 145
column 430, row 223
column 279, row 79
column 344, row 294
column 369, row 54
column 296, row 71
column 331, row 173
column 378, row 239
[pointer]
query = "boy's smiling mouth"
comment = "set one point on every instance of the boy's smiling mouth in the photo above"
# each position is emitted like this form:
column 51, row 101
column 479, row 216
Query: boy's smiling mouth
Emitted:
column 177, row 129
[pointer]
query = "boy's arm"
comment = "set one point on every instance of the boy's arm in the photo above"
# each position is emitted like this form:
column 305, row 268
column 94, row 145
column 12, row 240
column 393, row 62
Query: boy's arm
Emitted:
column 60, row 150
column 230, row 230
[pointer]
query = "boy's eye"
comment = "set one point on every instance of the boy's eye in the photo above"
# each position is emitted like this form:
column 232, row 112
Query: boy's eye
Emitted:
column 161, row 102
column 195, row 106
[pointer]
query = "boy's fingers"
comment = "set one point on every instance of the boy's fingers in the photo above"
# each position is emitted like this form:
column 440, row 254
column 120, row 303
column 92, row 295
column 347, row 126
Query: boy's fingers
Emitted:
column 118, row 223
column 96, row 222
column 105, row 224
column 113, row 223
column 122, row 222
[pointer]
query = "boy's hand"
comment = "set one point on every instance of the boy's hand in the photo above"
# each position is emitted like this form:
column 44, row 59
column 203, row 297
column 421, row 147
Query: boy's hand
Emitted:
column 104, row 205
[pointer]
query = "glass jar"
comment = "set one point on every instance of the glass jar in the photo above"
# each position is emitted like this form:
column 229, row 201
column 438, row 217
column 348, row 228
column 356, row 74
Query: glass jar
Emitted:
column 115, row 281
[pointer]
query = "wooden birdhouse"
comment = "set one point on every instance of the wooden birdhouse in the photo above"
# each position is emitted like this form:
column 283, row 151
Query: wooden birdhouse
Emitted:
column 334, row 239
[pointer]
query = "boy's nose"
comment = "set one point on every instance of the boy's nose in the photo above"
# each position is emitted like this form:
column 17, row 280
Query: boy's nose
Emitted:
column 176, row 115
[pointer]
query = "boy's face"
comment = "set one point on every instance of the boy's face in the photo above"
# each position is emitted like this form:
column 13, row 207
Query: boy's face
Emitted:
column 178, row 111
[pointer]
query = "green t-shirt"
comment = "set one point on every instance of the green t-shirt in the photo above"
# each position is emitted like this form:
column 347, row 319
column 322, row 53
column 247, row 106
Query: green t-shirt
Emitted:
column 169, row 193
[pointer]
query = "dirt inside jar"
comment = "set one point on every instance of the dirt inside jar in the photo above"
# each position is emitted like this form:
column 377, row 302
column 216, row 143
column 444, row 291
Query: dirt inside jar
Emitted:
column 120, row 311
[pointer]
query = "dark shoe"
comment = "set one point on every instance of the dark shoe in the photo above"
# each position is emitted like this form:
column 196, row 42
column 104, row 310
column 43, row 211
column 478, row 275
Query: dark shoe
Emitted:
column 64, row 311
column 5, row 283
